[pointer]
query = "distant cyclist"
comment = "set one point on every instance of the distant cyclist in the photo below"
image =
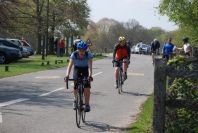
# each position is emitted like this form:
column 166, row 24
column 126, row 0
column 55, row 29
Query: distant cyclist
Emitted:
column 168, row 49
column 155, row 46
column 82, row 61
column 78, row 39
column 121, row 53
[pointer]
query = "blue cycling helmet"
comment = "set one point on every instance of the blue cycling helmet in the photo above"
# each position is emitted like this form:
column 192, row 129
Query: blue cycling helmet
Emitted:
column 82, row 45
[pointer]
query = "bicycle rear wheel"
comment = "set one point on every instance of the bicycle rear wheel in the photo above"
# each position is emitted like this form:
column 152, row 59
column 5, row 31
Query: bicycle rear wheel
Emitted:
column 78, row 110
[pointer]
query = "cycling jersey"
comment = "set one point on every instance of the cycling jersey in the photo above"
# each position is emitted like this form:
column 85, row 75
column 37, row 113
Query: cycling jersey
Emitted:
column 81, row 66
column 81, row 62
column 121, row 51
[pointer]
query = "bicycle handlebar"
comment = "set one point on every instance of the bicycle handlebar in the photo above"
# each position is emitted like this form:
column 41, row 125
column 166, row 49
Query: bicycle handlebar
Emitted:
column 66, row 80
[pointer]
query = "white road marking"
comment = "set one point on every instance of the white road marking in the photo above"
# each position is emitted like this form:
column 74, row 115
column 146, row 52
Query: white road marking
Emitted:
column 1, row 120
column 136, row 74
column 13, row 102
column 42, row 95
column 45, row 94
column 48, row 77
column 97, row 74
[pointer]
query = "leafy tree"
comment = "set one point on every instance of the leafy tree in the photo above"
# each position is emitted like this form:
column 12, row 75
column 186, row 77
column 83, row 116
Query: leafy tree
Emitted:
column 184, row 13
column 29, row 18
column 105, row 33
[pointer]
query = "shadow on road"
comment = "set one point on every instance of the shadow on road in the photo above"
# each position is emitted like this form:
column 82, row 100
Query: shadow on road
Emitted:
column 135, row 93
column 11, row 90
column 102, row 127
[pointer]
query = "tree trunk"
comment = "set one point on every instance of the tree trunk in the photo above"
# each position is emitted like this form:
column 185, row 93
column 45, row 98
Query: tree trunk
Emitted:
column 67, row 46
column 38, row 27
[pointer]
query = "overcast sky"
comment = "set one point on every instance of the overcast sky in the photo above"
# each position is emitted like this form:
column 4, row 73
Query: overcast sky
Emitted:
column 123, row 10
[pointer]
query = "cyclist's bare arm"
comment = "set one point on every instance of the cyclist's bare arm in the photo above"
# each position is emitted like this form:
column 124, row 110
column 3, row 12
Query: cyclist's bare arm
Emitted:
column 71, row 62
column 90, row 67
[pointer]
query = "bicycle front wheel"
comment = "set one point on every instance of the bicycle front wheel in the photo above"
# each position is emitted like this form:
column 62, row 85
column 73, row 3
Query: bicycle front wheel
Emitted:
column 78, row 111
column 83, row 111
column 119, row 82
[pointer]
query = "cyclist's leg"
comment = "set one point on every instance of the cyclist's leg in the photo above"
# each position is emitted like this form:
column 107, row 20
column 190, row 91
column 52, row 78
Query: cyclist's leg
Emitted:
column 87, row 87
column 87, row 95
column 116, row 76
column 116, row 73
column 75, row 76
column 125, row 66
column 76, row 73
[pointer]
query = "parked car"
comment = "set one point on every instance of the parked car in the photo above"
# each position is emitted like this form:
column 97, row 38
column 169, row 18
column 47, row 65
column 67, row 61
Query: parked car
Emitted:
column 10, row 44
column 133, row 49
column 24, row 50
column 8, row 54
column 141, row 48
column 28, row 47
column 137, row 48
column 145, row 49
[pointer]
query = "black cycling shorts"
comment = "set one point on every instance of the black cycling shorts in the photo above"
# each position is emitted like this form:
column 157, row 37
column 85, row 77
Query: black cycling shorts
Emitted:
column 81, row 72
column 118, row 64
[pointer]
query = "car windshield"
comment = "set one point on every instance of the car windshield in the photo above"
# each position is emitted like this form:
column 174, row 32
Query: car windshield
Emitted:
column 25, row 44
column 144, row 46
column 16, row 42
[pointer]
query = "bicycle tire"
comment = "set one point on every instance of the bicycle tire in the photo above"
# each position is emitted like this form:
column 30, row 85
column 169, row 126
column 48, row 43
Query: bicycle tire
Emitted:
column 83, row 111
column 78, row 110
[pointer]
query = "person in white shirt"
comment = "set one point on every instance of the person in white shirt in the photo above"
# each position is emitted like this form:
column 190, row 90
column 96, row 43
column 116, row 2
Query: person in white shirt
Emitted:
column 186, row 46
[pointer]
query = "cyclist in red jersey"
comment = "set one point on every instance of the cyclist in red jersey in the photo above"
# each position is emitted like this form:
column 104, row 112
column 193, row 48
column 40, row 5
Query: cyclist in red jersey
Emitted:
column 121, row 52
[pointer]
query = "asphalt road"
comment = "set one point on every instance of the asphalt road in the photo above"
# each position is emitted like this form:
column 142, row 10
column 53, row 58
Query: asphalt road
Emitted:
column 39, row 103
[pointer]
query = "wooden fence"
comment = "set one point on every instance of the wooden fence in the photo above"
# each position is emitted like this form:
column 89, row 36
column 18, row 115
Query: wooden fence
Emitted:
column 163, row 72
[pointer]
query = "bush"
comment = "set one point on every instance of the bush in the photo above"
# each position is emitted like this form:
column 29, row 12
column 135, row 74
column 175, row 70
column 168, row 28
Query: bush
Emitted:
column 184, row 119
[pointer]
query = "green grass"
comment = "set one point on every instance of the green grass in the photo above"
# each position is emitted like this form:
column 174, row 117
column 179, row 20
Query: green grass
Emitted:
column 143, row 123
column 33, row 64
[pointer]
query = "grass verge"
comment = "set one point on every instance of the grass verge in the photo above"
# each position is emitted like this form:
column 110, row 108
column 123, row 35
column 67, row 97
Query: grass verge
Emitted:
column 33, row 64
column 143, row 123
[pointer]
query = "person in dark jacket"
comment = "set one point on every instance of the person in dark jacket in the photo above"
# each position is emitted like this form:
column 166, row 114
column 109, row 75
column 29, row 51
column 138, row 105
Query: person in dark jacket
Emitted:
column 155, row 46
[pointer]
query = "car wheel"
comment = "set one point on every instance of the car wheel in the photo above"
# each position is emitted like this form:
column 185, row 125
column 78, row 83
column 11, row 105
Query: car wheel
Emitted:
column 2, row 59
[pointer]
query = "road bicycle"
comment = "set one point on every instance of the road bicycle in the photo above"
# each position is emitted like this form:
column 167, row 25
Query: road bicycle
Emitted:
column 80, row 99
column 120, row 76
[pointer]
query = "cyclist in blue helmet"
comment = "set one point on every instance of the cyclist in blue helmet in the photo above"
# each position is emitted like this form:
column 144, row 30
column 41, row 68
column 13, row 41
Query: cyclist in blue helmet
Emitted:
column 81, row 59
